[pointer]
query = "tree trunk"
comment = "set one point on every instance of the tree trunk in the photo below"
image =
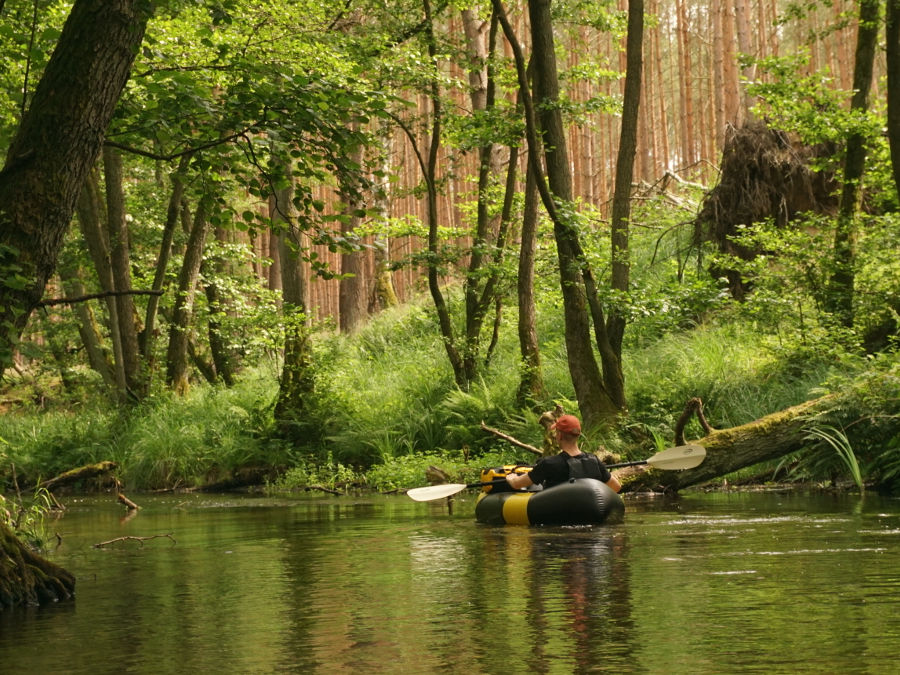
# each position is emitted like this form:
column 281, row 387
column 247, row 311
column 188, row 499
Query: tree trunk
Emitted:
column 531, row 382
column 297, row 378
column 148, row 336
column 383, row 293
column 611, row 356
column 843, row 279
column 87, row 324
column 593, row 399
column 352, row 295
column 728, row 450
column 212, row 270
column 179, row 331
column 119, row 253
column 892, row 38
column 91, row 216
column 28, row 579
column 55, row 147
column 429, row 170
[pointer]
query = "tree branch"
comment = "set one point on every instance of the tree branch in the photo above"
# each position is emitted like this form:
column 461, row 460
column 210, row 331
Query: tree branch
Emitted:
column 94, row 296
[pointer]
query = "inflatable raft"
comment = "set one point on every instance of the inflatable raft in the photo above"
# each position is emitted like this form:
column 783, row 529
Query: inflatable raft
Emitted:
column 581, row 501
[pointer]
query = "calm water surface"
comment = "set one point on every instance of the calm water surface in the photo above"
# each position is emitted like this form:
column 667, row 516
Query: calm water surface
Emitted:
column 707, row 583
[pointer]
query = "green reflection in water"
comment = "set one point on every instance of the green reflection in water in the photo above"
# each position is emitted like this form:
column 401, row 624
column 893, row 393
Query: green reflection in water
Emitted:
column 715, row 583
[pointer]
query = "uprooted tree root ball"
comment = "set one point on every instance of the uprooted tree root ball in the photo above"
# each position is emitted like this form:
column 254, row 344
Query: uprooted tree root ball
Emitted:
column 766, row 174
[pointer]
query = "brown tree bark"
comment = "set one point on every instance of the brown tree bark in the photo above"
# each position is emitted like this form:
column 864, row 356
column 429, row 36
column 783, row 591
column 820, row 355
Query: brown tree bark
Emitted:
column 148, row 336
column 182, row 312
column 213, row 269
column 119, row 253
column 87, row 324
column 55, row 147
column 594, row 400
column 531, row 382
column 892, row 39
column 91, row 219
column 843, row 279
column 352, row 292
column 28, row 579
column 297, row 379
column 611, row 346
column 728, row 450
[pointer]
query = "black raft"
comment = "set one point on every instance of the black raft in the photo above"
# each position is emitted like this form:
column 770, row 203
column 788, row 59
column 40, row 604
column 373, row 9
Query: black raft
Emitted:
column 581, row 501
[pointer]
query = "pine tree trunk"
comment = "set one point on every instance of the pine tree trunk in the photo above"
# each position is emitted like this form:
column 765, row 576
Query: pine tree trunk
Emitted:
column 352, row 294
column 892, row 38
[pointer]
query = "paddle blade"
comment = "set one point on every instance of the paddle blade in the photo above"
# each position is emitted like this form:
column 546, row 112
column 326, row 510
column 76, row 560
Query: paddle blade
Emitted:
column 680, row 457
column 426, row 494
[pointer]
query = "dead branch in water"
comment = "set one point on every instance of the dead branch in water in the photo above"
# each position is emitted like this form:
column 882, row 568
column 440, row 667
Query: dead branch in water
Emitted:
column 132, row 538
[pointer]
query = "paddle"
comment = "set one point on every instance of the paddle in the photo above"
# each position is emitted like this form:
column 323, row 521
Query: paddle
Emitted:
column 671, row 459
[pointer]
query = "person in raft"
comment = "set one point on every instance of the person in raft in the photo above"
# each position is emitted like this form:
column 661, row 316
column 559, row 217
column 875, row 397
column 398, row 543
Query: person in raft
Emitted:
column 570, row 463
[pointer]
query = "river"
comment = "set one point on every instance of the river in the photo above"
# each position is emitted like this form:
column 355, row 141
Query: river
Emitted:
column 727, row 582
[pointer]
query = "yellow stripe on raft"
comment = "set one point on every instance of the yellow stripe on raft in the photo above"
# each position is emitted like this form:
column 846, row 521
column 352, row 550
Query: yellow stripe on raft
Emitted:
column 515, row 508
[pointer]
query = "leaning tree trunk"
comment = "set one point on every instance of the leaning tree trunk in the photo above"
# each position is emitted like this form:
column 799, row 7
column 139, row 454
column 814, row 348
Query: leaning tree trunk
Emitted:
column 54, row 148
column 179, row 331
column 48, row 160
column 728, row 450
column 28, row 579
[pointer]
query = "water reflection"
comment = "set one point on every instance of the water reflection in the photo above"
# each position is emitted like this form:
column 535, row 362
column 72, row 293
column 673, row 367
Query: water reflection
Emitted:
column 710, row 584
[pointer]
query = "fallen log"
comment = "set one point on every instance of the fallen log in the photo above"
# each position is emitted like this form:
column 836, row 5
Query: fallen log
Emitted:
column 728, row 450
column 81, row 473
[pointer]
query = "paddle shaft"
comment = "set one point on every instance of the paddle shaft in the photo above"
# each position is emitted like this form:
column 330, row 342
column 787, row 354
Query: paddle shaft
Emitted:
column 499, row 481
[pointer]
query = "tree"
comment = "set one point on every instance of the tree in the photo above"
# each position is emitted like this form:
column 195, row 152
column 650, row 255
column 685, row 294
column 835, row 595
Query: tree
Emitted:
column 55, row 147
column 51, row 154
column 581, row 303
column 892, row 39
column 841, row 287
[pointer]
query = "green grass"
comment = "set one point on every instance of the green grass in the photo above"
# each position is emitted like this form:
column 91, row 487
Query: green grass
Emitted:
column 388, row 407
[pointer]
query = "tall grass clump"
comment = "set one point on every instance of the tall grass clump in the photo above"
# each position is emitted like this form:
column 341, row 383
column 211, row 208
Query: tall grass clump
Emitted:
column 41, row 445
column 164, row 441
column 730, row 366
column 201, row 437
column 389, row 390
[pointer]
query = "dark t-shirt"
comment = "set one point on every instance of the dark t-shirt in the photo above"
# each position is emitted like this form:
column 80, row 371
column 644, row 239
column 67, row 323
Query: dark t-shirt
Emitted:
column 555, row 469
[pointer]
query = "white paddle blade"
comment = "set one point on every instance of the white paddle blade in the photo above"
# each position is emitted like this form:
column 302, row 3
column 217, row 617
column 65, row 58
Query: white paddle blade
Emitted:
column 429, row 492
column 680, row 457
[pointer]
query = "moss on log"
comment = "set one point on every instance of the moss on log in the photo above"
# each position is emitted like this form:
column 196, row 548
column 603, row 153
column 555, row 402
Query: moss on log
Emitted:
column 28, row 579
column 79, row 474
column 728, row 450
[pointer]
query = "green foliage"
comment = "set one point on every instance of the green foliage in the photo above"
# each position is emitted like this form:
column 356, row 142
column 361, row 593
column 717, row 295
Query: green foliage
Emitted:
column 28, row 518
column 837, row 440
